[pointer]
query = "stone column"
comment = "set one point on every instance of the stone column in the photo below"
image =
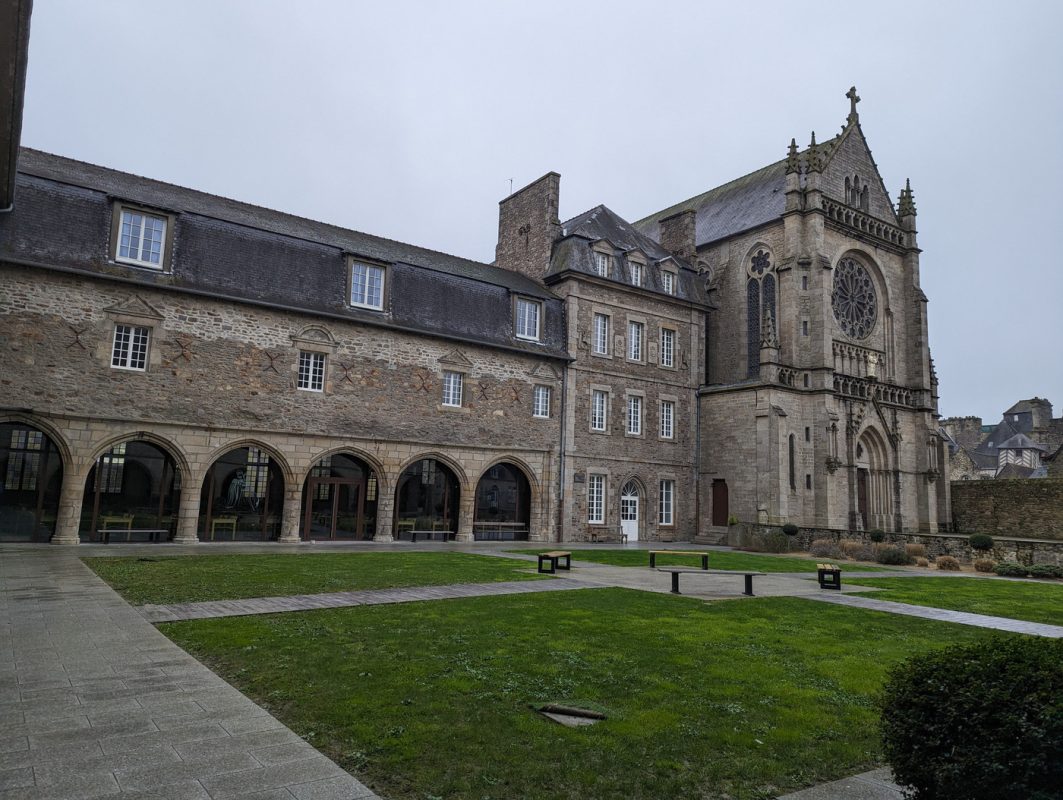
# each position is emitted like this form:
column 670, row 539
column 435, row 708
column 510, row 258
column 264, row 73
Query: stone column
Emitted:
column 385, row 515
column 465, row 515
column 291, row 514
column 188, row 515
column 68, row 521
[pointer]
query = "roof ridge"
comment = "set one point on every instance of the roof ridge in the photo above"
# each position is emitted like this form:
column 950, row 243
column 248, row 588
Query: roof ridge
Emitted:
column 583, row 213
column 253, row 206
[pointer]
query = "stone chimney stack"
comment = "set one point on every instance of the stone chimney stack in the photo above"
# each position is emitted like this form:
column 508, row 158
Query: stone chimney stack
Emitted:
column 678, row 234
column 528, row 226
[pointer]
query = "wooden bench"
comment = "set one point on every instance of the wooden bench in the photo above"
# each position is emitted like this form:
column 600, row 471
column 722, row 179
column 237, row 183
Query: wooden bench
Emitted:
column 829, row 575
column 155, row 535
column 554, row 559
column 704, row 556
column 677, row 571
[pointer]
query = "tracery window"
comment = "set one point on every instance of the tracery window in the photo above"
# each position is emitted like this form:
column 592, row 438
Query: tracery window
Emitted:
column 760, row 300
column 853, row 299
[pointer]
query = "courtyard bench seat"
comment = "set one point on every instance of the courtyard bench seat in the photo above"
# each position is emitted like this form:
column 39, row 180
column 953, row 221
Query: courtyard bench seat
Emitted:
column 702, row 553
column 677, row 571
column 154, row 535
column 829, row 576
column 554, row 559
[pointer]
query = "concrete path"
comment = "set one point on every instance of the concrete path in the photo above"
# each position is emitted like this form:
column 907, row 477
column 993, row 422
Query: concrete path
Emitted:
column 96, row 703
column 370, row 597
column 874, row 785
column 944, row 615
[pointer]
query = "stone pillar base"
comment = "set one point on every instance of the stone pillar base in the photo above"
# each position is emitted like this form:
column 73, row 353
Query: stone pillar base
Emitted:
column 464, row 538
column 289, row 538
column 185, row 539
column 65, row 540
column 384, row 538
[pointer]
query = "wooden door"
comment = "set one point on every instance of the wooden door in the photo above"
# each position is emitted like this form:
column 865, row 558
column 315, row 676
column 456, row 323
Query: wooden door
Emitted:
column 720, row 511
column 861, row 495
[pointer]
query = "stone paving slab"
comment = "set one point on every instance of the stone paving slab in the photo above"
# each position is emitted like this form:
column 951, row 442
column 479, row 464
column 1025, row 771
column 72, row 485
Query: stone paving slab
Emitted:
column 875, row 785
column 96, row 703
column 211, row 609
column 944, row 615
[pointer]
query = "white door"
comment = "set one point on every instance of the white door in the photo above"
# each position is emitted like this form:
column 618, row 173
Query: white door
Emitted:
column 629, row 511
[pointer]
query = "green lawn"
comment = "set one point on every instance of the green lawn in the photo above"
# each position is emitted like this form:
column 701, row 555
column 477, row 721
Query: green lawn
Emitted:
column 433, row 700
column 1034, row 602
column 718, row 559
column 183, row 579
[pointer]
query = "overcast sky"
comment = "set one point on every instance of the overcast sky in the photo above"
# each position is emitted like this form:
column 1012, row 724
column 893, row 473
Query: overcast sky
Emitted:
column 407, row 120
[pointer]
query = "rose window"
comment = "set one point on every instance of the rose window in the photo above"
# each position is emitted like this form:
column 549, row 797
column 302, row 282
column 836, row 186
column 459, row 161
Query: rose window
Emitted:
column 853, row 299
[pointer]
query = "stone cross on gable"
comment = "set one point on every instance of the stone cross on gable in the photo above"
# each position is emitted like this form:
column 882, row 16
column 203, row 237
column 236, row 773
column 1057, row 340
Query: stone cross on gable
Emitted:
column 854, row 98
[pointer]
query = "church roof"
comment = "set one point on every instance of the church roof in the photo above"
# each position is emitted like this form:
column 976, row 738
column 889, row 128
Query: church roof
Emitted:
column 739, row 205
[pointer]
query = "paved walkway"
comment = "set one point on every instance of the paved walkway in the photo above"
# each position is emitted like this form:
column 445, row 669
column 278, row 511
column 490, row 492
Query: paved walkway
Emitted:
column 96, row 703
column 945, row 615
column 370, row 597
column 874, row 785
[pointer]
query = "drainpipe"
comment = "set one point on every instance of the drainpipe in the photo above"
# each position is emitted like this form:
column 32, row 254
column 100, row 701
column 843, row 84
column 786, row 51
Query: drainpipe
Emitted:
column 561, row 465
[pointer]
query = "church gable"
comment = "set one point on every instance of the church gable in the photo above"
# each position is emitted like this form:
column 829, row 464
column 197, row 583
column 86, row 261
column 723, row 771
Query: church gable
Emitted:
column 851, row 176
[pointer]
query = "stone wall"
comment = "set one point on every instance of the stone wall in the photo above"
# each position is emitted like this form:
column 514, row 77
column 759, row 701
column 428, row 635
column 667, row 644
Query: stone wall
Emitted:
column 1029, row 509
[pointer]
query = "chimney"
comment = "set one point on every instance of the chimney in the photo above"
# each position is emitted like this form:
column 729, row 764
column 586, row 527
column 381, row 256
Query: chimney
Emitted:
column 528, row 227
column 678, row 234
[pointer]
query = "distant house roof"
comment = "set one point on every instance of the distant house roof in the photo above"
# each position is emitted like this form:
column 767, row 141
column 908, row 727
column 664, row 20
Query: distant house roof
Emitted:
column 1017, row 471
column 1021, row 441
column 1027, row 405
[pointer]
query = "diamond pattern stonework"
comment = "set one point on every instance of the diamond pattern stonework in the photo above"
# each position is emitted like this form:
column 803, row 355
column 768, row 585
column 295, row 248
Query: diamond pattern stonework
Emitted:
column 854, row 300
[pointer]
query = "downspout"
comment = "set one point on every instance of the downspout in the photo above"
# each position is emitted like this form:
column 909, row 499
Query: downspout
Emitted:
column 561, row 465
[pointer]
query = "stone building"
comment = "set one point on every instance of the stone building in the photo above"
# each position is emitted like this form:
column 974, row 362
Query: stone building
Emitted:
column 1016, row 447
column 188, row 367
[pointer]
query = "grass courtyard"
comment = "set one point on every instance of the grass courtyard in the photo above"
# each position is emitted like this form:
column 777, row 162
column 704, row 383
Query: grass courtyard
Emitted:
column 185, row 579
column 1026, row 600
column 718, row 559
column 708, row 700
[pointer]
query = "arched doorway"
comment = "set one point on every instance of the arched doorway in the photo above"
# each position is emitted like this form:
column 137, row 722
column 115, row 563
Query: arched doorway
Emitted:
column 133, row 488
column 873, row 482
column 630, row 500
column 340, row 499
column 31, row 477
column 242, row 497
column 503, row 504
column 426, row 502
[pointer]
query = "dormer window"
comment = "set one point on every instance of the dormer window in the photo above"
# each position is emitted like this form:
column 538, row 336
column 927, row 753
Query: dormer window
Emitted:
column 636, row 273
column 668, row 282
column 367, row 286
column 140, row 237
column 528, row 314
column 602, row 264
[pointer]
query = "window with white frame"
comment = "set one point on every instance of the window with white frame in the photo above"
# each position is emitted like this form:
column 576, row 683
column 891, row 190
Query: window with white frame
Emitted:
column 599, row 405
column 601, row 334
column 602, row 263
column 141, row 238
column 666, row 512
column 636, row 334
column 667, row 347
column 636, row 273
column 667, row 419
column 634, row 415
column 596, row 498
column 668, row 282
column 367, row 286
column 311, row 371
column 541, row 401
column 130, row 349
column 528, row 312
column 452, row 385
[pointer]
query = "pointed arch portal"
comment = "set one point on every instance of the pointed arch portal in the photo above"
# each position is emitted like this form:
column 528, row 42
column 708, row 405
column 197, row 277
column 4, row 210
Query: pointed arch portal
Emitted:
column 31, row 475
column 134, row 486
column 340, row 499
column 242, row 497
column 503, row 504
column 426, row 501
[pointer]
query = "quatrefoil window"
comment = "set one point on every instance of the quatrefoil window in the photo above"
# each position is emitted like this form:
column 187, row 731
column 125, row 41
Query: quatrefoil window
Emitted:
column 854, row 300
column 760, row 263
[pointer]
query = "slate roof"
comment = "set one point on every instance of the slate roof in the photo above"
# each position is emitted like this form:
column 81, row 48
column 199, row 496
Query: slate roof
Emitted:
column 573, row 252
column 170, row 197
column 1018, row 471
column 1027, row 405
column 1020, row 441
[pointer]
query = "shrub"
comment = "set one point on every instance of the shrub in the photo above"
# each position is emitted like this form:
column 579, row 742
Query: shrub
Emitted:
column 980, row 541
column 893, row 555
column 1046, row 571
column 922, row 562
column 915, row 550
column 789, row 529
column 978, row 721
column 825, row 548
column 877, row 535
column 1009, row 569
column 857, row 550
column 947, row 563
column 984, row 564
column 732, row 520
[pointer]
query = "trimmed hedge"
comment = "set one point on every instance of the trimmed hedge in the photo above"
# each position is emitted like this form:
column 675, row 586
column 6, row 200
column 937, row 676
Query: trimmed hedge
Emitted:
column 892, row 555
column 877, row 535
column 978, row 722
column 1046, row 571
column 1009, row 569
column 789, row 529
column 980, row 541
